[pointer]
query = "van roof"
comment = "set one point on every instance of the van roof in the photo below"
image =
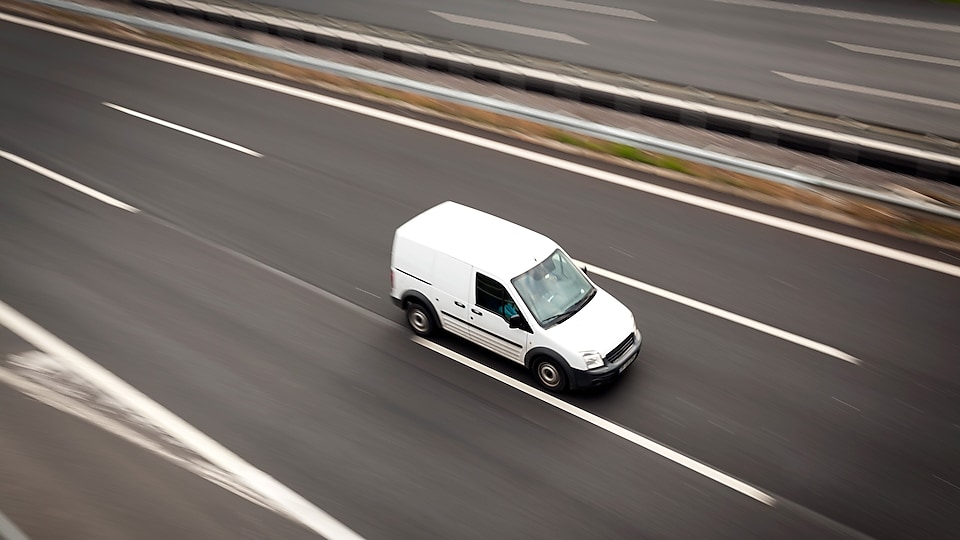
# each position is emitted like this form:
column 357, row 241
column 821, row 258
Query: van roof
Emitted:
column 490, row 243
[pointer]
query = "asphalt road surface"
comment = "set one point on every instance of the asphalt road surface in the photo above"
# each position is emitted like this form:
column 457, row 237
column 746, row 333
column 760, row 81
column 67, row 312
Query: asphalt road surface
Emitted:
column 334, row 400
column 64, row 478
column 890, row 62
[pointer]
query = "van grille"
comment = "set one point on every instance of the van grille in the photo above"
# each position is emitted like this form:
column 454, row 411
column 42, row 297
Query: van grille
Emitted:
column 618, row 351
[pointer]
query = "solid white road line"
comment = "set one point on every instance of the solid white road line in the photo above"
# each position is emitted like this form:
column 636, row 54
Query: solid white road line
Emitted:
column 529, row 155
column 606, row 425
column 61, row 399
column 182, row 129
column 868, row 91
column 590, row 8
column 72, row 184
column 897, row 54
column 9, row 531
column 281, row 497
column 723, row 314
column 840, row 14
column 504, row 27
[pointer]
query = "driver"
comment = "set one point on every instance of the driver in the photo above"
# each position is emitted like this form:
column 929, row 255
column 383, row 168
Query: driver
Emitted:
column 508, row 309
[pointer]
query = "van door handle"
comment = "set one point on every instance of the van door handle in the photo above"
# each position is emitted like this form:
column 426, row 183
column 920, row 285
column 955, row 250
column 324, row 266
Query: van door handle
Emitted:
column 459, row 304
column 477, row 312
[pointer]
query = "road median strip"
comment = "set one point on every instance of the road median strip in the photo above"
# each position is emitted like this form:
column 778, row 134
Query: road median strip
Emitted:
column 851, row 209
column 809, row 131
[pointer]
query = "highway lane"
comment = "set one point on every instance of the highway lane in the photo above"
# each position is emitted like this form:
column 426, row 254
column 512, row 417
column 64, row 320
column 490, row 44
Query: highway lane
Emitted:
column 395, row 442
column 323, row 203
column 737, row 47
column 61, row 477
column 312, row 157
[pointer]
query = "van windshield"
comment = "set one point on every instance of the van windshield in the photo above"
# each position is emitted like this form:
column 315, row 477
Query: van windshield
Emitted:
column 554, row 290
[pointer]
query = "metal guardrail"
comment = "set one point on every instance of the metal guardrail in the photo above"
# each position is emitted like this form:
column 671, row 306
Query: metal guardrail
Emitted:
column 873, row 145
column 591, row 129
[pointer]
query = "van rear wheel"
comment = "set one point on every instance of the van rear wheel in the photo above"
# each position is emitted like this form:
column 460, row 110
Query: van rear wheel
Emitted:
column 420, row 320
column 549, row 374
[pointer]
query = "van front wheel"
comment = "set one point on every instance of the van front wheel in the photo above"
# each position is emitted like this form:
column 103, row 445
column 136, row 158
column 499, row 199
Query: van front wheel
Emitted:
column 419, row 319
column 549, row 374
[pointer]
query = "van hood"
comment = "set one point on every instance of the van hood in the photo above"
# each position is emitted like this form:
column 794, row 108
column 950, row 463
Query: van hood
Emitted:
column 599, row 326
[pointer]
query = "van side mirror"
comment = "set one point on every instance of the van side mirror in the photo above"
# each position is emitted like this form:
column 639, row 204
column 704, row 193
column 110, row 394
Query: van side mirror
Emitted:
column 516, row 321
column 584, row 268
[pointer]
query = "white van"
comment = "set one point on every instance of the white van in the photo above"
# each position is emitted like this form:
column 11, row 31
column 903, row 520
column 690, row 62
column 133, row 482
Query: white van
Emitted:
column 513, row 291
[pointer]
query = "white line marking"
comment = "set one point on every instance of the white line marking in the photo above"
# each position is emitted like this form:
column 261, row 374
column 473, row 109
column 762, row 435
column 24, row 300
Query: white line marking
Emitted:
column 914, row 407
column 9, row 531
column 874, row 274
column 64, row 403
column 689, row 403
column 718, row 426
column 840, row 14
column 186, row 130
column 590, row 8
column 72, row 184
column 291, row 503
column 622, row 252
column 723, row 314
column 672, row 419
column 557, row 163
column 845, row 403
column 897, row 54
column 951, row 484
column 504, row 27
column 784, row 283
column 619, row 431
column 367, row 292
column 869, row 91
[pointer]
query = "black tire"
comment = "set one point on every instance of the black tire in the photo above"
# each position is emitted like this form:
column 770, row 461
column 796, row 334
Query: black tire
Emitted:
column 549, row 374
column 420, row 320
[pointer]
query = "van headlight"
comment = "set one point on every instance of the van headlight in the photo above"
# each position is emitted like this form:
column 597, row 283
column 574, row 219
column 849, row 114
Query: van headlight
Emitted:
column 592, row 359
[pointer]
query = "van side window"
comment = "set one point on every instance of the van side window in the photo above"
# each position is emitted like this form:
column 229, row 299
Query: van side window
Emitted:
column 493, row 296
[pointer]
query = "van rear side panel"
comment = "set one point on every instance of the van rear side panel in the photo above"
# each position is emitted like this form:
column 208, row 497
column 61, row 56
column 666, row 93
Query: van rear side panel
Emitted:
column 452, row 292
column 412, row 264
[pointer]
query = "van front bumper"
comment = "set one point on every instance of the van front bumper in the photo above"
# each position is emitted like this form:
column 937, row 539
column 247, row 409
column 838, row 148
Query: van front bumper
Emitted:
column 609, row 372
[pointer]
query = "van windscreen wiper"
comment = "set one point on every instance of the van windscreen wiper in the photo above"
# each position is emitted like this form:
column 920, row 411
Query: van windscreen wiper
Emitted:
column 570, row 311
column 581, row 302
